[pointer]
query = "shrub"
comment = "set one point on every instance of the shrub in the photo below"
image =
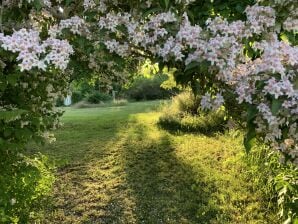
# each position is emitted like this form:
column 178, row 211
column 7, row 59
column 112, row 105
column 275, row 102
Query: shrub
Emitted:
column 205, row 124
column 24, row 183
column 186, row 102
column 144, row 88
column 183, row 114
column 97, row 97
column 77, row 96
column 83, row 87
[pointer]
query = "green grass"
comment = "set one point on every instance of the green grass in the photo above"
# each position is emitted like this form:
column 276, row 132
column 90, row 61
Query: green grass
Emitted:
column 116, row 166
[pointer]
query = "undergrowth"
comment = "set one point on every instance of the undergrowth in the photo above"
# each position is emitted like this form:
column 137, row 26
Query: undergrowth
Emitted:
column 184, row 114
column 277, row 182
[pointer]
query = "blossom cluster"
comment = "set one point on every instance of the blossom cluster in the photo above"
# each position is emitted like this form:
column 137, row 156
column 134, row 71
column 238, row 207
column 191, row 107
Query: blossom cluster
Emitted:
column 100, row 6
column 182, row 2
column 146, row 34
column 75, row 24
column 111, row 21
column 32, row 52
column 291, row 24
column 260, row 18
column 115, row 47
column 288, row 13
column 89, row 4
column 210, row 103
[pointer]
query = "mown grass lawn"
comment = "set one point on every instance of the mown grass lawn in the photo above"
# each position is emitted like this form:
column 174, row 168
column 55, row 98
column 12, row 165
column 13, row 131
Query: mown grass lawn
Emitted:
column 116, row 166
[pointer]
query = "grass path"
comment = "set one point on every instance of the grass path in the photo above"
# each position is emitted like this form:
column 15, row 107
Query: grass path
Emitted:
column 116, row 166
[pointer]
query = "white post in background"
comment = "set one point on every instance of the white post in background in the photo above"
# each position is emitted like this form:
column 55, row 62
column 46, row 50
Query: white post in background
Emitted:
column 67, row 100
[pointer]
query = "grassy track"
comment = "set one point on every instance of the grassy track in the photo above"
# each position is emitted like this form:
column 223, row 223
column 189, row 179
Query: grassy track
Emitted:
column 116, row 166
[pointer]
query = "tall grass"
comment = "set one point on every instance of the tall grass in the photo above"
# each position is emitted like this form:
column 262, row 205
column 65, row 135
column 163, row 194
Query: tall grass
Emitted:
column 184, row 114
column 278, row 182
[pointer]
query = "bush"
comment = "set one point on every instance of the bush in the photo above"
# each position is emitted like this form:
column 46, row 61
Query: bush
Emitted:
column 97, row 97
column 205, row 124
column 183, row 114
column 144, row 88
column 277, row 181
column 83, row 87
column 24, row 183
column 186, row 102
column 76, row 97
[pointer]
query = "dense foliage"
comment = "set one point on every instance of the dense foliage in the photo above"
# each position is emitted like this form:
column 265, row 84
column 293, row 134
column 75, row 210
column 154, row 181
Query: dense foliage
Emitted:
column 148, row 88
column 25, row 184
column 97, row 97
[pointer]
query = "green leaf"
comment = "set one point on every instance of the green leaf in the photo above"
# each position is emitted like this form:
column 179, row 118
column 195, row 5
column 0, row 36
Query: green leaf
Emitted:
column 252, row 112
column 195, row 86
column 250, row 139
column 7, row 132
column 296, row 82
column 204, row 66
column 191, row 15
column 161, row 66
column 223, row 6
column 11, row 115
column 276, row 105
column 68, row 2
column 192, row 66
column 37, row 4
column 239, row 8
column 197, row 67
column 2, row 85
column 13, row 78
column 153, row 10
column 260, row 84
column 167, row 3
column 162, row 4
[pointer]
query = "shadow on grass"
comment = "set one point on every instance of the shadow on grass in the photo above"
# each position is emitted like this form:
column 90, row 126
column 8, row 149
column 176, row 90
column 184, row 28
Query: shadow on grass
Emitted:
column 122, row 170
column 179, row 126
column 165, row 189
column 85, row 156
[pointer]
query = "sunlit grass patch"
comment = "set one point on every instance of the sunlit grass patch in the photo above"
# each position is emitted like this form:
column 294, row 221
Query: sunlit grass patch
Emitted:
column 115, row 165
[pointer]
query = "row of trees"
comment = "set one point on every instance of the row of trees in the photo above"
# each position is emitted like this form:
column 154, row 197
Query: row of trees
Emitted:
column 234, row 53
